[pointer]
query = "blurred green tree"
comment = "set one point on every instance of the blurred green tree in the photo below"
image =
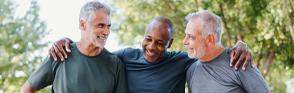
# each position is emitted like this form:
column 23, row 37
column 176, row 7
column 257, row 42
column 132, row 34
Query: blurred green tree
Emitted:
column 20, row 40
column 267, row 26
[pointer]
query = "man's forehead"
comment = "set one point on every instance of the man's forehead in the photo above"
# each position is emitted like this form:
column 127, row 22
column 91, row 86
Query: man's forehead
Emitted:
column 158, row 26
column 157, row 32
column 101, row 20
column 193, row 27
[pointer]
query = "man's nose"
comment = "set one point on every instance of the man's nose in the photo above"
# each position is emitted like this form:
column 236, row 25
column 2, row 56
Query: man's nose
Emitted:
column 185, row 42
column 151, row 46
column 106, row 31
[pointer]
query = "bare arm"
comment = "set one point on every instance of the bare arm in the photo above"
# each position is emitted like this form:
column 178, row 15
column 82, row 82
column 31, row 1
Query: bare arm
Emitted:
column 240, row 54
column 27, row 88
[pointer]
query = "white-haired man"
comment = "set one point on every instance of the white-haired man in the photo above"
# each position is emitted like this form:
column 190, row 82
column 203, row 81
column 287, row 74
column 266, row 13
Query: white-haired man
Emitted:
column 212, row 73
column 89, row 68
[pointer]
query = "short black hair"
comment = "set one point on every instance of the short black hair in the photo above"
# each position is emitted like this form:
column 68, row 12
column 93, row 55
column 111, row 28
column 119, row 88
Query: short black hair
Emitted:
column 167, row 21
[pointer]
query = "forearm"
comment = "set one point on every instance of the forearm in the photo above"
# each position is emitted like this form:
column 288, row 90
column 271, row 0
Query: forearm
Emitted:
column 268, row 92
column 27, row 88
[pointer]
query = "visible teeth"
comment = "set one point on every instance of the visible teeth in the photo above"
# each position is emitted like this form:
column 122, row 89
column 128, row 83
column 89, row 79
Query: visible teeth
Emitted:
column 101, row 37
column 150, row 53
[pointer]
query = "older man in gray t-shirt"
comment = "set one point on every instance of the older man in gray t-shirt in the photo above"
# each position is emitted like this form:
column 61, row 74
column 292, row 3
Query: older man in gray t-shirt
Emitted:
column 212, row 73
column 216, row 76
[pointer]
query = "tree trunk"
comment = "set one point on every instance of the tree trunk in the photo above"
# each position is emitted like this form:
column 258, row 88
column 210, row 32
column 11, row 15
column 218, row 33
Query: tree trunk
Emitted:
column 225, row 24
column 269, row 60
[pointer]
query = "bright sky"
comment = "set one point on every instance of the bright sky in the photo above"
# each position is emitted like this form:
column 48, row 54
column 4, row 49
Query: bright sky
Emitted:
column 61, row 17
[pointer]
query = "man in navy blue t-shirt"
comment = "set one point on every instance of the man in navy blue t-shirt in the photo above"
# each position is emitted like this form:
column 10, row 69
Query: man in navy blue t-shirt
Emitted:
column 153, row 69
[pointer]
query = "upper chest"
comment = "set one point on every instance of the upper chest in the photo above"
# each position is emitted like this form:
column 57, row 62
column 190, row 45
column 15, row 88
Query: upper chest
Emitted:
column 84, row 75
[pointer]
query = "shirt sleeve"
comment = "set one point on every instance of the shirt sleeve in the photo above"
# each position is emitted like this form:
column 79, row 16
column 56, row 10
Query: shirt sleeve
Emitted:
column 119, row 53
column 252, row 81
column 121, row 84
column 43, row 76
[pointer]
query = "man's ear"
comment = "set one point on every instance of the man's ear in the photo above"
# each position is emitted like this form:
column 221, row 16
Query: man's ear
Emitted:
column 170, row 43
column 82, row 25
column 210, row 40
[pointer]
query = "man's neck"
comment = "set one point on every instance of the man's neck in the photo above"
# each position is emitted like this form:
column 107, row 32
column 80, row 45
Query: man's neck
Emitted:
column 212, row 53
column 88, row 48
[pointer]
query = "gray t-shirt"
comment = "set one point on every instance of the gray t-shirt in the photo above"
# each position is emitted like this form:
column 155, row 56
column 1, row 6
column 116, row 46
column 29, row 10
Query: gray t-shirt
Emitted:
column 217, row 76
column 104, row 73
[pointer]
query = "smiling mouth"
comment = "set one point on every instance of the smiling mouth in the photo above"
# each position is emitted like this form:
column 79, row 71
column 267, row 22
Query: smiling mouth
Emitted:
column 189, row 50
column 149, row 53
column 102, row 38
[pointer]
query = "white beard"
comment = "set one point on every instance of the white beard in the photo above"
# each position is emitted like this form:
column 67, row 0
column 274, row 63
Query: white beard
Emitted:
column 197, row 52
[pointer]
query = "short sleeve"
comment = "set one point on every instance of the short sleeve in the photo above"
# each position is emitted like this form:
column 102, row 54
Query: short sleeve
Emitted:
column 252, row 81
column 43, row 76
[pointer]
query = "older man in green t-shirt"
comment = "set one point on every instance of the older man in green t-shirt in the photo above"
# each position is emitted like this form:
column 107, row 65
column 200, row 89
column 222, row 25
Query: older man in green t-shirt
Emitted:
column 90, row 68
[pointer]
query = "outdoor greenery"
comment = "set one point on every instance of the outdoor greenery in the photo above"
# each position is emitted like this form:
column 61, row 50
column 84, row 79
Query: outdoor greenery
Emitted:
column 267, row 26
column 19, row 41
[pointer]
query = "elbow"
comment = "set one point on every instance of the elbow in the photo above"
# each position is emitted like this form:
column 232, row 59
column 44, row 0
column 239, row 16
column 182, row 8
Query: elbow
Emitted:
column 27, row 88
column 269, row 91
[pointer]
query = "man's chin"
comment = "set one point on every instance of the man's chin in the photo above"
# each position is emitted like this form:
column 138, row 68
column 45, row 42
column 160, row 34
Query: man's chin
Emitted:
column 100, row 46
column 192, row 56
column 152, row 61
column 148, row 58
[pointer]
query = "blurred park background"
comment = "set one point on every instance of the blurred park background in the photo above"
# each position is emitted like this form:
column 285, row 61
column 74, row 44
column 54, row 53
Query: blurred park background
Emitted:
column 27, row 29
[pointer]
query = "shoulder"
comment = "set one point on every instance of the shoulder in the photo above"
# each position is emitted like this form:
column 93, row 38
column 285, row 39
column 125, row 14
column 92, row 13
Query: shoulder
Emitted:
column 249, row 71
column 180, row 55
column 50, row 64
column 111, row 57
column 129, row 53
column 132, row 50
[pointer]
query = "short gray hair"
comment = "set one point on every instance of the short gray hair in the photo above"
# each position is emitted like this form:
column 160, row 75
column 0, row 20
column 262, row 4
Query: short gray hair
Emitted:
column 211, row 23
column 91, row 7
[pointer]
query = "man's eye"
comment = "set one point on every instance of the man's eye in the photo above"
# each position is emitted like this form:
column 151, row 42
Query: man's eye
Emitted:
column 100, row 26
column 189, row 36
column 147, row 39
column 108, row 26
column 160, row 44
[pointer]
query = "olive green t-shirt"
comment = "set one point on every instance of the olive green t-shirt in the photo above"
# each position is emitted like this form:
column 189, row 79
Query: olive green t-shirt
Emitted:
column 104, row 73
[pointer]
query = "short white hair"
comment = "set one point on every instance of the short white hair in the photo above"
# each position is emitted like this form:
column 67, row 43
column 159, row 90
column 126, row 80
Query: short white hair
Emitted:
column 91, row 7
column 211, row 23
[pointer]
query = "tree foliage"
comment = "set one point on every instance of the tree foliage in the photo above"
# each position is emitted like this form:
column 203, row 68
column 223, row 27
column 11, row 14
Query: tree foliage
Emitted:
column 19, row 40
column 267, row 26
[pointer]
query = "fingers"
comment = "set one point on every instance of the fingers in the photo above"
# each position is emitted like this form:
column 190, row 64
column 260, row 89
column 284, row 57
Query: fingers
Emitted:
column 237, row 55
column 52, row 53
column 57, row 51
column 67, row 47
column 60, row 48
column 245, row 64
column 246, row 61
column 240, row 60
column 232, row 56
column 249, row 58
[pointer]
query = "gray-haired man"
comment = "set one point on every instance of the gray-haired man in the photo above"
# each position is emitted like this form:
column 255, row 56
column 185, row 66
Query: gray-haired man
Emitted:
column 89, row 68
column 212, row 73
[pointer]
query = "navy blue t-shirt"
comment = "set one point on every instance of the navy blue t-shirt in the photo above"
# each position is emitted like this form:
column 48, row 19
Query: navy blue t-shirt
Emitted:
column 167, row 76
